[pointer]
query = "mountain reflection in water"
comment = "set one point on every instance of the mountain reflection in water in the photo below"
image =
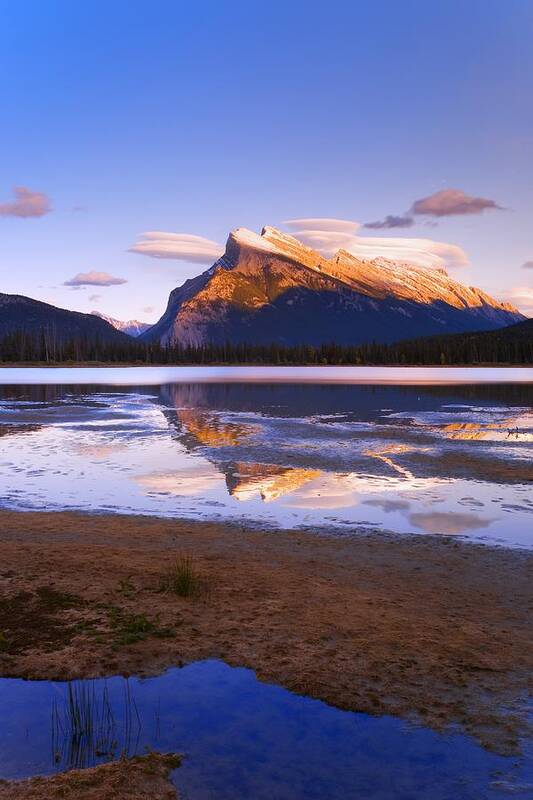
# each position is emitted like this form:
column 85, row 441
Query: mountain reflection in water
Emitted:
column 446, row 459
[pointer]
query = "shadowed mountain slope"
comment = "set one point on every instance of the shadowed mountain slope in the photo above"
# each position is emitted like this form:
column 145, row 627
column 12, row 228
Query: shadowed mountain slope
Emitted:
column 22, row 314
column 272, row 288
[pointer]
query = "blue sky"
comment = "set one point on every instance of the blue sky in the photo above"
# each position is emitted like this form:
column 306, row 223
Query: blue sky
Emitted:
column 196, row 118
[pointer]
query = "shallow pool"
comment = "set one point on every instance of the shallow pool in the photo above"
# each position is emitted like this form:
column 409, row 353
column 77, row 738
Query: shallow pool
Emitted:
column 244, row 739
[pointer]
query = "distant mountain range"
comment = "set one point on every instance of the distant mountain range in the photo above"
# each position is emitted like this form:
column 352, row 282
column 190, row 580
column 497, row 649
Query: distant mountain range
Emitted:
column 272, row 288
column 19, row 313
column 132, row 326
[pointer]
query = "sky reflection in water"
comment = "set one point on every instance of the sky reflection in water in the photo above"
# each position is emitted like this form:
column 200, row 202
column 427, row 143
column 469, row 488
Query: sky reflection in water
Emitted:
column 454, row 460
column 244, row 739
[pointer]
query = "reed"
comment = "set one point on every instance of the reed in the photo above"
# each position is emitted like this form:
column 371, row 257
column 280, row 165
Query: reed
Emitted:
column 184, row 578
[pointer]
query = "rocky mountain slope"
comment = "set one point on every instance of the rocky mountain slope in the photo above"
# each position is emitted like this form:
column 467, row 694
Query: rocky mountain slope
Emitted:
column 19, row 313
column 272, row 288
column 131, row 326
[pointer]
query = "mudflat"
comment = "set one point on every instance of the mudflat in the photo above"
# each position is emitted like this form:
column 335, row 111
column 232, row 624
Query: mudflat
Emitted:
column 426, row 628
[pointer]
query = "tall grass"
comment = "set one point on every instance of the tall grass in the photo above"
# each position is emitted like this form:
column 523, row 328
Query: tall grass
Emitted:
column 184, row 578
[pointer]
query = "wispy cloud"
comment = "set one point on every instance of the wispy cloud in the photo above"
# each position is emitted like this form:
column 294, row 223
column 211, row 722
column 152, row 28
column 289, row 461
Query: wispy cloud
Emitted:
column 324, row 234
column 321, row 233
column 27, row 203
column 452, row 202
column 181, row 246
column 391, row 221
column 522, row 298
column 94, row 279
column 329, row 235
column 94, row 298
column 527, row 265
column 148, row 309
column 322, row 224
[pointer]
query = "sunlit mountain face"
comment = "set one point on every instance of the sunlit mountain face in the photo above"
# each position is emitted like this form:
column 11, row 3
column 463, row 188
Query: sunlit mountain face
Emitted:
column 440, row 460
column 272, row 288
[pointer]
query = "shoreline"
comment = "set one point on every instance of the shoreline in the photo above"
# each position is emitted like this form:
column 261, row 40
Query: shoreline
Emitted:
column 432, row 630
column 136, row 778
column 229, row 364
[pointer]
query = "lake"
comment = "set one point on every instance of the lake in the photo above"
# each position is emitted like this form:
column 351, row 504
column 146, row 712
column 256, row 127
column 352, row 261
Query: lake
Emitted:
column 341, row 451
column 428, row 451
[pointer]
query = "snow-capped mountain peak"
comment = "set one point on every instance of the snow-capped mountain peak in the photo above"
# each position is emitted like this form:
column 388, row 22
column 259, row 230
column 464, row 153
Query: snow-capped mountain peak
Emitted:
column 131, row 326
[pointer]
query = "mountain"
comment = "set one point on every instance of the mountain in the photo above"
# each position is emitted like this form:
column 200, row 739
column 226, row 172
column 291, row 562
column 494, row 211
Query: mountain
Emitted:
column 272, row 288
column 512, row 344
column 519, row 332
column 19, row 313
column 132, row 326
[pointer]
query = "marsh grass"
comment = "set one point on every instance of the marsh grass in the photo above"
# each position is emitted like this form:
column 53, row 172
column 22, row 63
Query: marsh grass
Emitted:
column 130, row 628
column 185, row 579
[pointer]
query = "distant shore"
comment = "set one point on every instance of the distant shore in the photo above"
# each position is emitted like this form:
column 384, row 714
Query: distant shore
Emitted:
column 102, row 364
column 422, row 628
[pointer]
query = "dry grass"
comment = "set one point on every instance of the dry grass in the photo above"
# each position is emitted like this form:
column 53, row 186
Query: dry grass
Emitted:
column 136, row 778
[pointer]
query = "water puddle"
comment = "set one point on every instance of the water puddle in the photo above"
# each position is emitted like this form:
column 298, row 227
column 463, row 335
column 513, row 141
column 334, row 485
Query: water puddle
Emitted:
column 243, row 739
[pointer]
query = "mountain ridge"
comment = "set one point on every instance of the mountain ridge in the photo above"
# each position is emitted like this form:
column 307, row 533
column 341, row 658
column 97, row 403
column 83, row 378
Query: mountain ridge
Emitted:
column 270, row 287
column 21, row 313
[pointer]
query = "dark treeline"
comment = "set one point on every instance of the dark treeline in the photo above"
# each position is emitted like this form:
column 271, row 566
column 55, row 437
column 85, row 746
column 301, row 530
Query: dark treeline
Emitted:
column 495, row 347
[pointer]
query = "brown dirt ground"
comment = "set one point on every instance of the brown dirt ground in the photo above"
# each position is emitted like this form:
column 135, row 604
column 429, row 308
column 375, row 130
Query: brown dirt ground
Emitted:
column 424, row 628
column 137, row 778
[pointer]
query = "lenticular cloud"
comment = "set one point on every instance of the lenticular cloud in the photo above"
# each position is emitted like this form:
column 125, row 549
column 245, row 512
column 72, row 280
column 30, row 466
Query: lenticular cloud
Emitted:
column 181, row 246
column 329, row 235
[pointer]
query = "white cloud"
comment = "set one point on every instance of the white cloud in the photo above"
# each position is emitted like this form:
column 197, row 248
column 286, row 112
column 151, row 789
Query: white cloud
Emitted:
column 522, row 297
column 181, row 246
column 322, row 224
column 323, row 234
column 94, row 279
column 328, row 235
column 27, row 203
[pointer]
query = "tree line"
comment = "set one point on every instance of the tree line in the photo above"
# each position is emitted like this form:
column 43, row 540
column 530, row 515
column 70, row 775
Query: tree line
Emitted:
column 495, row 347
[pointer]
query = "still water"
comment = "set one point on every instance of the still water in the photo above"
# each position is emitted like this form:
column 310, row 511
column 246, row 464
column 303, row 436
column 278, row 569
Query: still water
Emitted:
column 338, row 449
column 439, row 452
column 243, row 739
